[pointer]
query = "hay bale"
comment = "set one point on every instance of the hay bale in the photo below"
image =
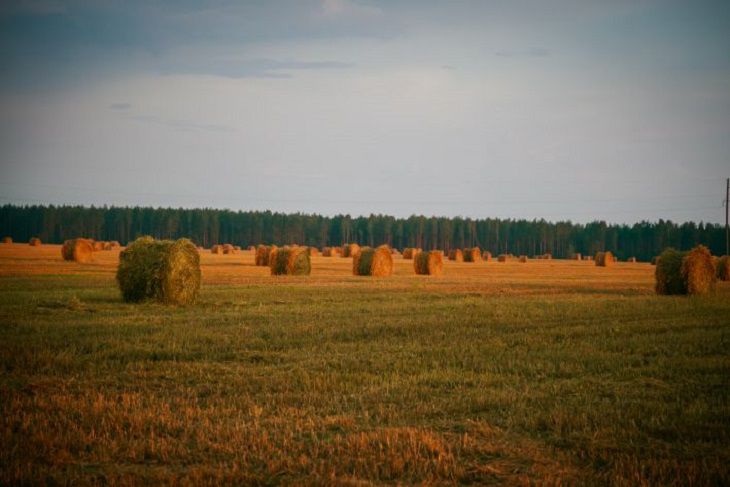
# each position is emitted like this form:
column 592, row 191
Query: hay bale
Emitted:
column 7, row 240
column 167, row 271
column 456, row 255
column 114, row 244
column 350, row 250
column 273, row 252
column 251, row 248
column 376, row 262
column 262, row 255
column 313, row 252
column 216, row 249
column 698, row 271
column 331, row 252
column 34, row 242
column 690, row 272
column 473, row 254
column 604, row 259
column 410, row 252
column 290, row 261
column 523, row 259
column 654, row 260
column 547, row 256
column 576, row 256
column 588, row 258
column 98, row 245
column 429, row 263
column 77, row 250
column 487, row 256
column 229, row 249
column 632, row 260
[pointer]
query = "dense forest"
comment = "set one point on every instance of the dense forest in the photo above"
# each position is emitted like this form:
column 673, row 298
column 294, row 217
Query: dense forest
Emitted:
column 54, row 224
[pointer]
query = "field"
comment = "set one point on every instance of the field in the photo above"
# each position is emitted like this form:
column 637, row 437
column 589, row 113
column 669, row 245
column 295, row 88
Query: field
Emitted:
column 550, row 372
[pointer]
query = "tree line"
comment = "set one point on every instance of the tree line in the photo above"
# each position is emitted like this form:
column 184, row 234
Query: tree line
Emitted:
column 54, row 224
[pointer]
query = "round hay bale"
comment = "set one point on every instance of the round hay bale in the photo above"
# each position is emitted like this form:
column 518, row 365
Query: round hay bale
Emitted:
column 34, row 242
column 273, row 252
column 7, row 240
column 291, row 261
column 77, row 250
column 668, row 273
column 547, row 256
column 262, row 255
column 502, row 258
column 376, row 262
column 487, row 256
column 114, row 244
column 429, row 263
column 577, row 256
column 331, row 251
column 167, row 271
column 523, row 259
column 456, row 255
column 98, row 245
column 229, row 249
column 723, row 268
column 588, row 258
column 410, row 252
column 350, row 250
column 604, row 259
column 313, row 251
column 698, row 271
column 631, row 259
column 473, row 254
column 216, row 249
column 251, row 248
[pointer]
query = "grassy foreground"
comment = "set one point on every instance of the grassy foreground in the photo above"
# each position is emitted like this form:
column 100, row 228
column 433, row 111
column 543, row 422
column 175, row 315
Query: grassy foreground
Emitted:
column 500, row 373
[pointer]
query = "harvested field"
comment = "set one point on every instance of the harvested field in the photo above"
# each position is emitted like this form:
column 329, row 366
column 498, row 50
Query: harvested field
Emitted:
column 495, row 373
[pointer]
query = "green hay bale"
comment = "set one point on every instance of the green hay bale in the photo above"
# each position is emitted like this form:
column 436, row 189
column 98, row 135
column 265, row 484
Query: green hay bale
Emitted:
column 291, row 261
column 668, row 273
column 166, row 271
column 723, row 268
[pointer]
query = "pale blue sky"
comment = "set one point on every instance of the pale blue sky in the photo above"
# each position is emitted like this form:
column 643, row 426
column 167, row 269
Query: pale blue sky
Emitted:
column 581, row 110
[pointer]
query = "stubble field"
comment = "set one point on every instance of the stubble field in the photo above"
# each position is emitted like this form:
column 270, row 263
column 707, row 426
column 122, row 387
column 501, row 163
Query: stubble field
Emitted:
column 555, row 372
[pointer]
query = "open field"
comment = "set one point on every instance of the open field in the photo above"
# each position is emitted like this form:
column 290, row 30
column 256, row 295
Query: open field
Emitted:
column 495, row 373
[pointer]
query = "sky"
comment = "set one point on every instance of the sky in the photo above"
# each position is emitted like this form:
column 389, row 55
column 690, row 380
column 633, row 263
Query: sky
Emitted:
column 574, row 110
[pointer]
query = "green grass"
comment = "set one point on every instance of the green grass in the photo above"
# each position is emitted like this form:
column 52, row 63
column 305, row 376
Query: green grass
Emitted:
column 292, row 383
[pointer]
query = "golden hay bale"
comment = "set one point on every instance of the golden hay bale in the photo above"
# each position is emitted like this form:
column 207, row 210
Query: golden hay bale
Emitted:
column 273, row 252
column 167, row 271
column 723, row 268
column 588, row 257
column 547, row 256
column 502, row 258
column 456, row 255
column 429, row 263
column 604, row 259
column 77, row 250
column 698, row 271
column 473, row 254
column 216, row 249
column 410, row 252
column 98, row 245
column 313, row 252
column 262, row 255
column 331, row 251
column 631, row 259
column 376, row 262
column 237, row 248
column 229, row 249
column 523, row 259
column 291, row 261
column 114, row 244
column 576, row 256
column 251, row 248
column 487, row 256
column 7, row 240
column 34, row 242
column 350, row 250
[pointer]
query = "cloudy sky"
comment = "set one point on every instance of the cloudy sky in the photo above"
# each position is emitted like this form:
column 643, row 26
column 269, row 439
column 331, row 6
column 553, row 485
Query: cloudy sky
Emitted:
column 575, row 109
